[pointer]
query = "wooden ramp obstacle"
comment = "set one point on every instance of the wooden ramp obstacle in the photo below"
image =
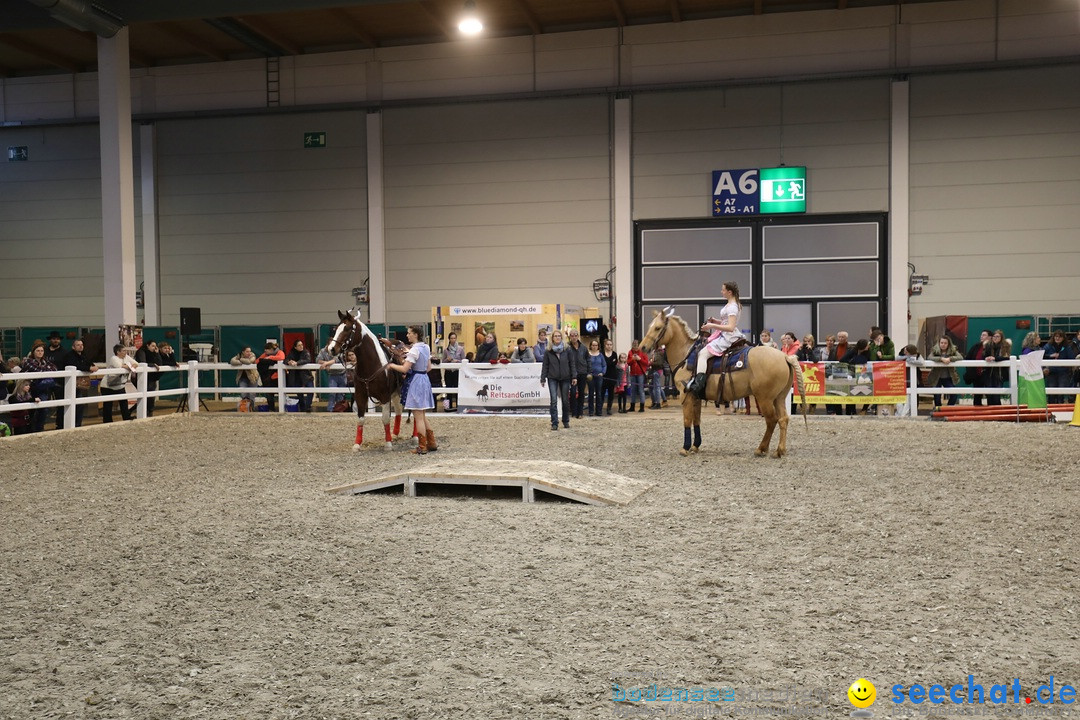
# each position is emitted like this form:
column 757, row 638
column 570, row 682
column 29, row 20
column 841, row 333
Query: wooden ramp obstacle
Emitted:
column 562, row 479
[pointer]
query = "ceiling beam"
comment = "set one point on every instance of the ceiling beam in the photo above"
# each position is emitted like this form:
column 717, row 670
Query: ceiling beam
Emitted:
column 676, row 13
column 440, row 22
column 260, row 28
column 41, row 53
column 530, row 17
column 178, row 32
column 620, row 16
column 351, row 24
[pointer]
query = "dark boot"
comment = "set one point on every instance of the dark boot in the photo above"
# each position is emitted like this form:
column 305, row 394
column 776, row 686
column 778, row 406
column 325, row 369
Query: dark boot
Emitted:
column 697, row 385
column 632, row 406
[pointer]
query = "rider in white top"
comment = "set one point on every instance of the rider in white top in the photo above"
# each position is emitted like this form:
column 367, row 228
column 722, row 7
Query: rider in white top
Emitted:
column 727, row 332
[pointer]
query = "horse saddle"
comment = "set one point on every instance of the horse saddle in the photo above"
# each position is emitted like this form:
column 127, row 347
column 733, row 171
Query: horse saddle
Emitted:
column 735, row 358
column 396, row 348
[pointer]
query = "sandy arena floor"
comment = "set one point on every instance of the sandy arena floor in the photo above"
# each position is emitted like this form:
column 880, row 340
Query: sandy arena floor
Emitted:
column 193, row 567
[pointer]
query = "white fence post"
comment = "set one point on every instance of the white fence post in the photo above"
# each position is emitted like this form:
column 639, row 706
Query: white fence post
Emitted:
column 913, row 390
column 1014, row 392
column 69, row 398
column 140, row 385
column 193, row 386
column 281, row 387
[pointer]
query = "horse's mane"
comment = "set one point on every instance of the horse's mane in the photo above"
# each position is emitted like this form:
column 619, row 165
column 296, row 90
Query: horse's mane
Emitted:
column 690, row 334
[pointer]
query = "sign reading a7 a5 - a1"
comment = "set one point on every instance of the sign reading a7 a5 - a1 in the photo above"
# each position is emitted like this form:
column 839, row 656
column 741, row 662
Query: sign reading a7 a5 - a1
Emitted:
column 762, row 191
column 735, row 192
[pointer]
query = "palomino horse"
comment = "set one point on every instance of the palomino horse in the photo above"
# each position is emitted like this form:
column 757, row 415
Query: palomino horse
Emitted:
column 768, row 376
column 373, row 379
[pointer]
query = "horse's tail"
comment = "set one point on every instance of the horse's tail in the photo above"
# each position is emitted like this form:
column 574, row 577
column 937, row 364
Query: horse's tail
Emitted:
column 796, row 370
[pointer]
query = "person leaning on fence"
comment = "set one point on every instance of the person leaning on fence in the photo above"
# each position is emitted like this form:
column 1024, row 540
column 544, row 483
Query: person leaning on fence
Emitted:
column 559, row 373
column 488, row 351
column 246, row 377
column 270, row 356
column 297, row 356
column 976, row 376
column 996, row 353
column 77, row 359
column 1058, row 377
column 452, row 353
column 335, row 376
column 114, row 384
column 42, row 389
column 148, row 355
column 541, row 346
column 523, row 353
column 944, row 377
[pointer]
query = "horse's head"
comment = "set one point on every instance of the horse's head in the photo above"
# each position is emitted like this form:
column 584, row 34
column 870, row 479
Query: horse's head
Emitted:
column 343, row 333
column 658, row 332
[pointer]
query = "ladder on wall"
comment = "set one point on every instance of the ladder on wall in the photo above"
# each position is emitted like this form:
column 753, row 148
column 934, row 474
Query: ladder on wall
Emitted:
column 273, row 82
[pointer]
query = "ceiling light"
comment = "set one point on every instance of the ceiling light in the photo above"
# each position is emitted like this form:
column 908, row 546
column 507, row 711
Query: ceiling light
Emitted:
column 470, row 21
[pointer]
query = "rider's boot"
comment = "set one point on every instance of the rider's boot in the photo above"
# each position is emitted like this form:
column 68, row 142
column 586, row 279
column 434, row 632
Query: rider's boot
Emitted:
column 697, row 385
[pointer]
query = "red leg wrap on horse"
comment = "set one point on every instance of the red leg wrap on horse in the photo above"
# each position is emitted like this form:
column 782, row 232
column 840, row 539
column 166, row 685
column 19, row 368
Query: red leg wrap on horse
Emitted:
column 397, row 425
column 359, row 434
column 386, row 427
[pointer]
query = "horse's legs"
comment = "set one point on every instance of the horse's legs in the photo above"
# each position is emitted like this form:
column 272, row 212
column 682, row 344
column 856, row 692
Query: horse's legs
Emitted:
column 768, row 409
column 389, row 441
column 697, row 423
column 782, row 414
column 687, row 421
column 361, row 407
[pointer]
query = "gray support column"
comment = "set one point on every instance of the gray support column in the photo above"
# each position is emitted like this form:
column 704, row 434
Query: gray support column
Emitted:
column 376, row 220
column 623, row 226
column 899, row 184
column 117, row 182
column 148, row 180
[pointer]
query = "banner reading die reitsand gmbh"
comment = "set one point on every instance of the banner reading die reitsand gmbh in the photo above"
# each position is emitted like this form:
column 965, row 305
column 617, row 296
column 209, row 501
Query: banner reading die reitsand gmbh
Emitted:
column 878, row 383
column 502, row 388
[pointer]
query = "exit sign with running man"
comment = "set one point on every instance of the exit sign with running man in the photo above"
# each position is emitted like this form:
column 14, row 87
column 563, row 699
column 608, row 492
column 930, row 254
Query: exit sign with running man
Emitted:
column 783, row 190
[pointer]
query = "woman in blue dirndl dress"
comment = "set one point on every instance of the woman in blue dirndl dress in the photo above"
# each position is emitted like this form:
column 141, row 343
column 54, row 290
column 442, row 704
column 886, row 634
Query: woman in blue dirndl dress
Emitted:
column 416, row 391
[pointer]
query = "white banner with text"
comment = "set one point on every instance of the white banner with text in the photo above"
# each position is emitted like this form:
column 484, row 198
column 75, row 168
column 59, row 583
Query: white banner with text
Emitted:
column 501, row 388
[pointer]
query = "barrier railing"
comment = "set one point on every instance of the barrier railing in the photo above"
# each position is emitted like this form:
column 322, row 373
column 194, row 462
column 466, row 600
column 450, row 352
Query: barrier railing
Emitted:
column 191, row 391
column 1012, row 364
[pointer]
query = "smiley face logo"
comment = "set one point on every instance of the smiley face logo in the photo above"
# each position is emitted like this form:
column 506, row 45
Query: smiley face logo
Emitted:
column 862, row 693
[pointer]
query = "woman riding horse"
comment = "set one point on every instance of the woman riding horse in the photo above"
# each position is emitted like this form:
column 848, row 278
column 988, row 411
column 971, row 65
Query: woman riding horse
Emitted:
column 768, row 376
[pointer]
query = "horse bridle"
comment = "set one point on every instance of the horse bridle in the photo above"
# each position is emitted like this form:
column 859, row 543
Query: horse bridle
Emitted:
column 348, row 344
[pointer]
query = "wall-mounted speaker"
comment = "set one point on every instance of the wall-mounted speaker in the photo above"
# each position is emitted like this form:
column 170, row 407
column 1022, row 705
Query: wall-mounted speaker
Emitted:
column 190, row 321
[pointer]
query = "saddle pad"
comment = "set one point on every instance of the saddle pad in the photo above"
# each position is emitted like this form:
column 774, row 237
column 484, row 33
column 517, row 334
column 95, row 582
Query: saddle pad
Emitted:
column 735, row 361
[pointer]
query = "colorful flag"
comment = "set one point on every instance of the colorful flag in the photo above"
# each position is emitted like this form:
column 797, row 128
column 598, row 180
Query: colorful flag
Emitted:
column 1030, row 385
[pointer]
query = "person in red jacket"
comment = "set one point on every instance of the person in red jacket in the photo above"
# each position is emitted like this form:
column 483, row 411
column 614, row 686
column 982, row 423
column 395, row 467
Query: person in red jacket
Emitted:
column 638, row 363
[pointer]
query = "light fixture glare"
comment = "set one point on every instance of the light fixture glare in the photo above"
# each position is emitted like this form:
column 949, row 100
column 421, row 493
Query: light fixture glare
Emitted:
column 470, row 22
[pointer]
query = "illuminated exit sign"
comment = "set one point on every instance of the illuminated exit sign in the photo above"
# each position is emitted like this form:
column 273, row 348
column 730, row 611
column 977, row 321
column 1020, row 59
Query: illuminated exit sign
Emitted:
column 783, row 190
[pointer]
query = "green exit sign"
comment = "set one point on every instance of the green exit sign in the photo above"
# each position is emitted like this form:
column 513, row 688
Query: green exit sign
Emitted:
column 783, row 190
column 314, row 139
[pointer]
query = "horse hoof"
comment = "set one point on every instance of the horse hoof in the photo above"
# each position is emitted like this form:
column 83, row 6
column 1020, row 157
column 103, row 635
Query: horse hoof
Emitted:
column 684, row 452
column 356, row 448
column 761, row 453
column 695, row 449
column 778, row 455
column 388, row 446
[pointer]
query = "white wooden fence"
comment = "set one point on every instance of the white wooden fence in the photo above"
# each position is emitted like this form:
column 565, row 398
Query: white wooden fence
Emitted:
column 193, row 390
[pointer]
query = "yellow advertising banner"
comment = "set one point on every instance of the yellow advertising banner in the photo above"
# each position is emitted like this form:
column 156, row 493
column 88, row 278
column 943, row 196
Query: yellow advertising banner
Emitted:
column 879, row 383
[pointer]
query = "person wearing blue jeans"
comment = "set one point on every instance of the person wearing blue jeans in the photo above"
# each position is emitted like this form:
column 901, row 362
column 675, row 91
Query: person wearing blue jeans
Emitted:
column 657, row 388
column 335, row 377
column 559, row 373
column 597, row 368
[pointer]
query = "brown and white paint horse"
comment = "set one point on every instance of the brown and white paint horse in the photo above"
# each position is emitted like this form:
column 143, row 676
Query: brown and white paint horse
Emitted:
column 768, row 376
column 373, row 379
